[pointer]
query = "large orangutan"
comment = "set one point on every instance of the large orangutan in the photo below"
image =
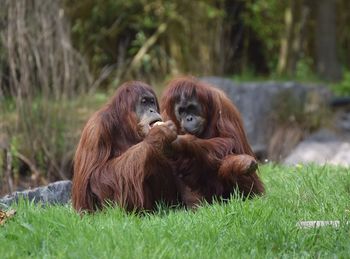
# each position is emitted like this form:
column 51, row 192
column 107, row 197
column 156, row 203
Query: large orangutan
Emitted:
column 213, row 154
column 121, row 154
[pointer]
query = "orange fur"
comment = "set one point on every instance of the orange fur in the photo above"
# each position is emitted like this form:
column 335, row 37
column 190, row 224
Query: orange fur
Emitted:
column 114, row 162
column 219, row 160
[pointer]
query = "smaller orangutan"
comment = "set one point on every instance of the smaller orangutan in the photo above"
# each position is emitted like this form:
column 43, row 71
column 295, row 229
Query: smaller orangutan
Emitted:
column 213, row 157
column 121, row 154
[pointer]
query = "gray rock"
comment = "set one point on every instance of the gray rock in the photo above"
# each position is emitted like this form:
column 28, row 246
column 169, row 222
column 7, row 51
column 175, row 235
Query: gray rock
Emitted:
column 323, row 147
column 54, row 193
column 342, row 120
column 324, row 136
column 259, row 102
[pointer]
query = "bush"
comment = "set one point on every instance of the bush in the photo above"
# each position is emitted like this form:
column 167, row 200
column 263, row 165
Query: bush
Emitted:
column 343, row 88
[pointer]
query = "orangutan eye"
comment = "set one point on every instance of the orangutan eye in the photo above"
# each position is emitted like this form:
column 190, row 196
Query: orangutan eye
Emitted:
column 181, row 111
column 191, row 108
column 143, row 100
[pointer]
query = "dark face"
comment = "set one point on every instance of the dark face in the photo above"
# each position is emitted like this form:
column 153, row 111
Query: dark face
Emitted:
column 189, row 114
column 147, row 112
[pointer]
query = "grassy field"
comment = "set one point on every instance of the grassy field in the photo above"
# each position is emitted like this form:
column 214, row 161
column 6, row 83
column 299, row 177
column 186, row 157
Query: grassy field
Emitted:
column 259, row 228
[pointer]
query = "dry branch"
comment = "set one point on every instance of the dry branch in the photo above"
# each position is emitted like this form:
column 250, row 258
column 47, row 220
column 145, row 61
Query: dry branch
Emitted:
column 135, row 63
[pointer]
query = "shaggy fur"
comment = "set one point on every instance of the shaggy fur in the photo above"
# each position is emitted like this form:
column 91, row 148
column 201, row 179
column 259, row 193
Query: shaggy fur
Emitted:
column 211, row 164
column 115, row 162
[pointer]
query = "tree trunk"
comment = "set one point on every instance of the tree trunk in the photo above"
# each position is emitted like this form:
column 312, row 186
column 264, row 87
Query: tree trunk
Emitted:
column 285, row 41
column 328, row 66
column 296, row 14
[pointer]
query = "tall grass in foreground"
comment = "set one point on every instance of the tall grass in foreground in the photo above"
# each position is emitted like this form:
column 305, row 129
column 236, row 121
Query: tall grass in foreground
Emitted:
column 259, row 228
column 41, row 76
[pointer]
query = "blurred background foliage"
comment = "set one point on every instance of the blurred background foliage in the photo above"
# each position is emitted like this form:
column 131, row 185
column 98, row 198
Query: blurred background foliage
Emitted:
column 148, row 39
column 156, row 38
column 60, row 59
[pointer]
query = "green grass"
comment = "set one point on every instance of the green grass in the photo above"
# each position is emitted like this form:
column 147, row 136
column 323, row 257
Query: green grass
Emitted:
column 259, row 228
